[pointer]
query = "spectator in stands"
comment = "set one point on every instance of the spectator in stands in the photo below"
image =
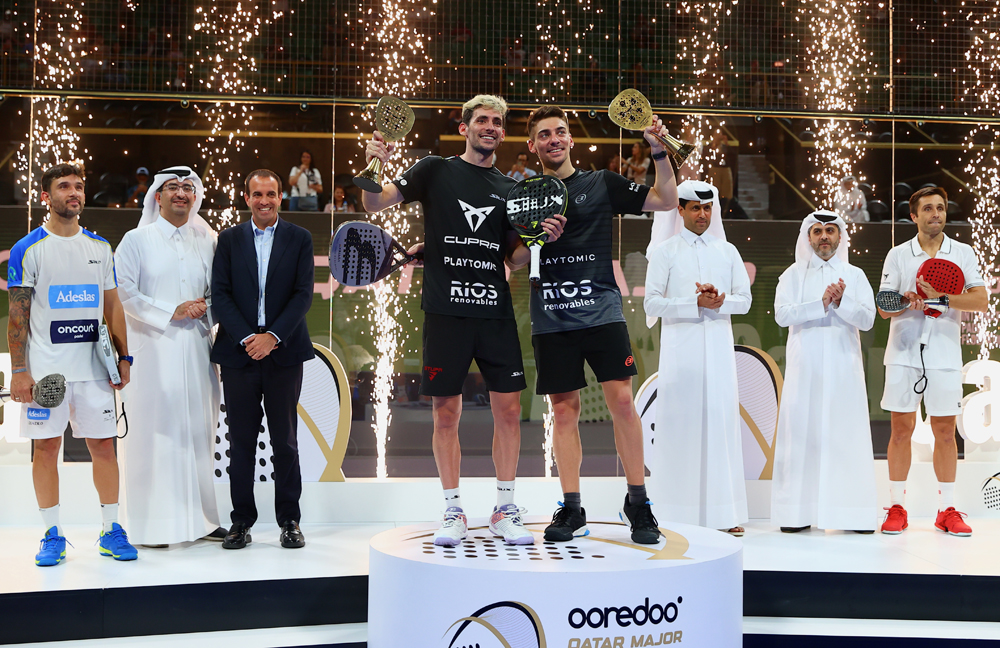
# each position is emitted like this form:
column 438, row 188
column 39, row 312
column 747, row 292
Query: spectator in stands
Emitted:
column 342, row 202
column 514, row 56
column 849, row 201
column 757, row 85
column 180, row 78
column 137, row 192
column 520, row 170
column 306, row 185
column 637, row 165
column 616, row 164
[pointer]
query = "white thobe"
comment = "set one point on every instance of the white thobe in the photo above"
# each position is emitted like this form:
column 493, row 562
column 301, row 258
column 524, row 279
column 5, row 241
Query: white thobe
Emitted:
column 696, row 471
column 824, row 470
column 173, row 398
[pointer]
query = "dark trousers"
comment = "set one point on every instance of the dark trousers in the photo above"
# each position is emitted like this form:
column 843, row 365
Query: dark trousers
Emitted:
column 279, row 388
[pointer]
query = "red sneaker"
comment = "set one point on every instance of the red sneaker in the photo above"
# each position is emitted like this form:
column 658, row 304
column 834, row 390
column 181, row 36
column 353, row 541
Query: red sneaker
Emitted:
column 895, row 520
column 950, row 521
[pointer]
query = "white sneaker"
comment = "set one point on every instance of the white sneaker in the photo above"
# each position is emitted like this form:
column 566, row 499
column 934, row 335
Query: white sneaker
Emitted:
column 506, row 523
column 453, row 529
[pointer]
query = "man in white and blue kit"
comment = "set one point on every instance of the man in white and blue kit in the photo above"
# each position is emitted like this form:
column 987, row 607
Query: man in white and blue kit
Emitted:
column 61, row 282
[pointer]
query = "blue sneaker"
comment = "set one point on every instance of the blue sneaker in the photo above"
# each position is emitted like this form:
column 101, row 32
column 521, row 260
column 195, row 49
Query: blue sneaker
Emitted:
column 116, row 545
column 52, row 550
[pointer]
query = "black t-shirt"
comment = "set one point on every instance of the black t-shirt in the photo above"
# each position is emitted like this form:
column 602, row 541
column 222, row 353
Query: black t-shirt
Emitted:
column 578, row 280
column 465, row 236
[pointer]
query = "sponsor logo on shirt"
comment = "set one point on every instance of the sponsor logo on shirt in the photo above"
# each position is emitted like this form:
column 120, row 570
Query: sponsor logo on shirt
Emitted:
column 566, row 289
column 468, row 240
column 459, row 262
column 432, row 372
column 73, row 331
column 579, row 199
column 516, row 374
column 74, row 296
column 93, row 261
column 466, row 292
column 39, row 414
column 572, row 258
column 475, row 215
column 498, row 198
column 576, row 293
column 634, row 187
column 109, row 415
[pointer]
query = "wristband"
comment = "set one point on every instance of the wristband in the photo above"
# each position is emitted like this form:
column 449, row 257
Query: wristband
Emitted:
column 17, row 371
column 659, row 156
column 129, row 359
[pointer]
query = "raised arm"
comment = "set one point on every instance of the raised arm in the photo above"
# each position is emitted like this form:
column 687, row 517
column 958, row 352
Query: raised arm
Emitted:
column 663, row 195
column 391, row 195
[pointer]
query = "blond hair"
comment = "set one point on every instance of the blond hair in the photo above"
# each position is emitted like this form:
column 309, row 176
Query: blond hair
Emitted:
column 490, row 102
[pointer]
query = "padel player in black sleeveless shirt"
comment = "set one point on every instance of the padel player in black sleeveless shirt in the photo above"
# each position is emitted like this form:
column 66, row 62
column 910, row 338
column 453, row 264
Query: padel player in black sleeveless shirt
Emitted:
column 467, row 305
column 577, row 317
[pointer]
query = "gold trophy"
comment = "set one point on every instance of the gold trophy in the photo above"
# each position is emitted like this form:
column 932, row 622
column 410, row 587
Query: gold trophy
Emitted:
column 631, row 110
column 394, row 119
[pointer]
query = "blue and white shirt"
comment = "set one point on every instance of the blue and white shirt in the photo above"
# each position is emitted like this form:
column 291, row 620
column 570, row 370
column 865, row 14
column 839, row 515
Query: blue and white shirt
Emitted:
column 69, row 276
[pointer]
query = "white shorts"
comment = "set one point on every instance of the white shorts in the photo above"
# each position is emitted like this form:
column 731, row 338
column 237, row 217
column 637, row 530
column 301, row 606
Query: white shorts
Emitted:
column 89, row 406
column 942, row 397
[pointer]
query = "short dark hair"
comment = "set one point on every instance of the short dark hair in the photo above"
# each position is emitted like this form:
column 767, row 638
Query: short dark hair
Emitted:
column 60, row 171
column 544, row 112
column 923, row 193
column 259, row 173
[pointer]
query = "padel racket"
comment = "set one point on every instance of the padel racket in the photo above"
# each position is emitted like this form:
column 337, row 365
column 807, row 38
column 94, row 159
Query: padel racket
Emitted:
column 890, row 301
column 944, row 276
column 107, row 352
column 530, row 202
column 47, row 392
column 362, row 253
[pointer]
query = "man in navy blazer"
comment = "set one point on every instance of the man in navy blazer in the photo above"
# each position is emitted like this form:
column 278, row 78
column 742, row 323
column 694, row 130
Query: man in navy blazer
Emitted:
column 262, row 287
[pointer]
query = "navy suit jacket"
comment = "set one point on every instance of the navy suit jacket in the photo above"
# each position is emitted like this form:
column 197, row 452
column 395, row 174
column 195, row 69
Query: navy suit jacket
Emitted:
column 288, row 293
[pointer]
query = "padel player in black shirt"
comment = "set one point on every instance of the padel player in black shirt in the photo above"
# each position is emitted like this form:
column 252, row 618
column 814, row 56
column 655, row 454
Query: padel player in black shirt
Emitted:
column 467, row 305
column 577, row 316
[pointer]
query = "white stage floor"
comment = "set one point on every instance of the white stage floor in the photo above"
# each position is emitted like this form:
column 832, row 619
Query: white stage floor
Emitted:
column 336, row 555
column 335, row 550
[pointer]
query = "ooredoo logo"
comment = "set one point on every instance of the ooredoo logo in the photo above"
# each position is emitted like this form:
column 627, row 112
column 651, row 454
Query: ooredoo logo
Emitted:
column 625, row 616
column 508, row 623
column 74, row 296
column 73, row 331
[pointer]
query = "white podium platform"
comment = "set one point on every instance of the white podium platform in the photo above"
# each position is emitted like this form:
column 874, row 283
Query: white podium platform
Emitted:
column 599, row 591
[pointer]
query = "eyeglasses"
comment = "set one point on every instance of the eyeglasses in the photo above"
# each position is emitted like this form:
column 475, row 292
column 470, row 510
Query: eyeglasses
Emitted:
column 173, row 187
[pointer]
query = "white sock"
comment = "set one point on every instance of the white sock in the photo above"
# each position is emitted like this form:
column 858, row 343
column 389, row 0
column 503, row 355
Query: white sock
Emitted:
column 50, row 518
column 452, row 498
column 897, row 493
column 109, row 513
column 946, row 495
column 505, row 493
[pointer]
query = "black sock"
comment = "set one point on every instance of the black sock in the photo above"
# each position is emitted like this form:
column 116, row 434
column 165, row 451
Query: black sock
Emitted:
column 571, row 500
column 637, row 494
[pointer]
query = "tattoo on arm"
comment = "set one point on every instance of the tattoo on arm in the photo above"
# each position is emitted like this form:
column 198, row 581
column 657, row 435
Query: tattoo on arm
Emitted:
column 17, row 325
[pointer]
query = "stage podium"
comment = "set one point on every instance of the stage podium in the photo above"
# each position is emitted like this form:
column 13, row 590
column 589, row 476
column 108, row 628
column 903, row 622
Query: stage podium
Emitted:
column 599, row 591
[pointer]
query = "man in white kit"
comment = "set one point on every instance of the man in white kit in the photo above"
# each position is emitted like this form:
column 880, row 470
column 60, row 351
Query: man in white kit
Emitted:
column 61, row 282
column 164, row 279
column 695, row 282
column 917, row 341
column 824, row 470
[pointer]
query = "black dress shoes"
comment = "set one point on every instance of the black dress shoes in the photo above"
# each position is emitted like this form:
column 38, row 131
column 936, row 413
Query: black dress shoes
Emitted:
column 291, row 535
column 217, row 536
column 794, row 529
column 238, row 537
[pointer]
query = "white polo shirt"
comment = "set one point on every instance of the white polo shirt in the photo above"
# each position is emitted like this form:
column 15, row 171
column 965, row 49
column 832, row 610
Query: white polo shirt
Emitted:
column 944, row 348
column 69, row 276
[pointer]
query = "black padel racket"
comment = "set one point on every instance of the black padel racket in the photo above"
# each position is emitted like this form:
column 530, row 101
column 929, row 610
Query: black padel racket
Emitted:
column 362, row 253
column 890, row 301
column 530, row 202
column 944, row 276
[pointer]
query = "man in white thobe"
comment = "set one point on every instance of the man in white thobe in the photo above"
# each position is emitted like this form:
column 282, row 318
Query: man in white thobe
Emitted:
column 164, row 273
column 695, row 282
column 824, row 468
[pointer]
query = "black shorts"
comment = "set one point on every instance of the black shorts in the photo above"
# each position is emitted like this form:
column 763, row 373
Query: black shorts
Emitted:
column 452, row 343
column 559, row 357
